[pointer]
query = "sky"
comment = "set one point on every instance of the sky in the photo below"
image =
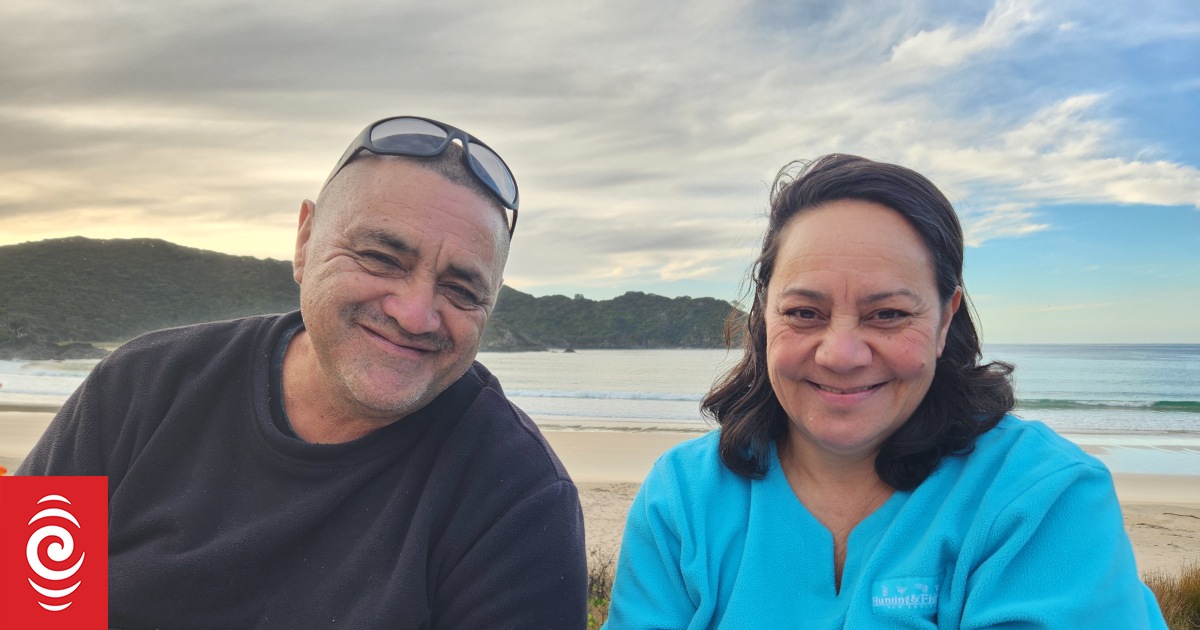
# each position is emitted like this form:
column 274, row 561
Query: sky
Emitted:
column 644, row 135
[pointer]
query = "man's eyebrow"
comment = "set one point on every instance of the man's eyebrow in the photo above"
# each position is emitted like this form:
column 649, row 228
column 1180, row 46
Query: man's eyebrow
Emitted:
column 388, row 240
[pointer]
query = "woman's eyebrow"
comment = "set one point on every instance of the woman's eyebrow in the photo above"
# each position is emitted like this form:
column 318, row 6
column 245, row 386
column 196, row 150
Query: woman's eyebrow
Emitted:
column 885, row 295
column 872, row 298
column 811, row 294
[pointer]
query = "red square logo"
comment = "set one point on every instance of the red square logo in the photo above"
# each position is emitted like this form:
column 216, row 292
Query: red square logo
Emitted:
column 53, row 553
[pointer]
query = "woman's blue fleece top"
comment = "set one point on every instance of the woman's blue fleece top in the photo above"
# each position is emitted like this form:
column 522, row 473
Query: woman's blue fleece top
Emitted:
column 1023, row 532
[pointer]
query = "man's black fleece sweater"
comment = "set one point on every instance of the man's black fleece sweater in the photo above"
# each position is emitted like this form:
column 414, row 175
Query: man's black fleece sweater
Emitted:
column 458, row 516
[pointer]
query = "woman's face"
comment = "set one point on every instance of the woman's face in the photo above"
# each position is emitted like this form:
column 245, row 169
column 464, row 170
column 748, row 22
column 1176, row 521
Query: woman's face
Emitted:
column 854, row 326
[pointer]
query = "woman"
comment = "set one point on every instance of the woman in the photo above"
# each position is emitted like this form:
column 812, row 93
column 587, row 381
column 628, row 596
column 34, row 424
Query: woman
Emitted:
column 866, row 473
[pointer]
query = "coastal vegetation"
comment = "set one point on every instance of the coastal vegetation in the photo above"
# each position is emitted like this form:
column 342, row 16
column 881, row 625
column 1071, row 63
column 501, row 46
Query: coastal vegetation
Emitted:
column 1178, row 595
column 600, row 574
column 632, row 320
column 81, row 289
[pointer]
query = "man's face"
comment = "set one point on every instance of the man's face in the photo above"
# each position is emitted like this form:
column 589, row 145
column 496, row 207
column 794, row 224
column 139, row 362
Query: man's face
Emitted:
column 398, row 270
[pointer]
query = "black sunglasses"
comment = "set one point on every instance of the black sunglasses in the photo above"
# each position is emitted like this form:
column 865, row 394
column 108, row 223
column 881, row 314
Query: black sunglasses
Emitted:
column 421, row 137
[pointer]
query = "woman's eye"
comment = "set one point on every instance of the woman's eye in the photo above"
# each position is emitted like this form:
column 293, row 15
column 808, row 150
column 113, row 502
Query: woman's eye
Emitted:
column 803, row 313
column 890, row 314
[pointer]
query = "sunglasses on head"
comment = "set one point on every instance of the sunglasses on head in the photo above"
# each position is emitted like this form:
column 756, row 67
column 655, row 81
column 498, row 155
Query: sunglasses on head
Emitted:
column 421, row 137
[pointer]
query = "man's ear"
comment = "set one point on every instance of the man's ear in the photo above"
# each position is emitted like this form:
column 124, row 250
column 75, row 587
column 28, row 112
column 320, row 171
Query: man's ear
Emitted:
column 308, row 215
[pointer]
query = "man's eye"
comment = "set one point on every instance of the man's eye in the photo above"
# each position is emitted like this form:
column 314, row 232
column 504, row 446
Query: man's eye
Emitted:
column 375, row 262
column 378, row 258
column 463, row 295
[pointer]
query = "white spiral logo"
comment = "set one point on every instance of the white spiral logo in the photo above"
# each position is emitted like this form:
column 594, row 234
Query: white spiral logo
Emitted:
column 59, row 550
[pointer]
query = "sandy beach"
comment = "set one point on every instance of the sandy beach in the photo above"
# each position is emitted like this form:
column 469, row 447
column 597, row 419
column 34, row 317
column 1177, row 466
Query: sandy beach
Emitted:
column 1162, row 512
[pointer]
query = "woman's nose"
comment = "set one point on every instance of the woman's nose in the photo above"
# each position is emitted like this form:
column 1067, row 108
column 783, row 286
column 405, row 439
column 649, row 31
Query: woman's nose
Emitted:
column 842, row 348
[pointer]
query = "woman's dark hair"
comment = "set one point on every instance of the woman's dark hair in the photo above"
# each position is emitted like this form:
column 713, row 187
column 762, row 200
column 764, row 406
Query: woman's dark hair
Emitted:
column 965, row 399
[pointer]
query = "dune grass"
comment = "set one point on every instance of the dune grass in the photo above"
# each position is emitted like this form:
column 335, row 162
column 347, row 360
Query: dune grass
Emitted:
column 1178, row 595
column 601, row 568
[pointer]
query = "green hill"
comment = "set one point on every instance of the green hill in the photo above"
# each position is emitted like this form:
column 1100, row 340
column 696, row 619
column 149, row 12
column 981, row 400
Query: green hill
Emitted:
column 80, row 289
column 632, row 320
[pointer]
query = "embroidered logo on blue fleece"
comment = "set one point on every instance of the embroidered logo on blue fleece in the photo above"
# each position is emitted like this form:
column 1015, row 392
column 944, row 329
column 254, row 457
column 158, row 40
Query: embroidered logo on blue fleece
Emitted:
column 906, row 593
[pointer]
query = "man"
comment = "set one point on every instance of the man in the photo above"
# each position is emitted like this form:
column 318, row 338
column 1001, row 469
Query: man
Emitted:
column 350, row 465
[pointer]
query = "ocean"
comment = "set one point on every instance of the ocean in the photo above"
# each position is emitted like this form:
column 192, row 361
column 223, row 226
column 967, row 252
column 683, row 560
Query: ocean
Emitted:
column 1138, row 405
column 1109, row 389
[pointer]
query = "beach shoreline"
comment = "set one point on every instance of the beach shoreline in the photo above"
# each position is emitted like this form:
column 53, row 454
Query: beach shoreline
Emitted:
column 1161, row 511
column 608, row 460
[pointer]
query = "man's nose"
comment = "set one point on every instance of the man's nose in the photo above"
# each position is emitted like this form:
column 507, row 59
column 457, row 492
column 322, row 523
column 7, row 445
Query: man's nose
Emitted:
column 414, row 307
column 842, row 347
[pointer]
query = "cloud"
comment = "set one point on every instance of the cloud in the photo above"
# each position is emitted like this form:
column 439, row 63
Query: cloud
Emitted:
column 644, row 136
column 951, row 45
column 1063, row 154
column 1006, row 220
